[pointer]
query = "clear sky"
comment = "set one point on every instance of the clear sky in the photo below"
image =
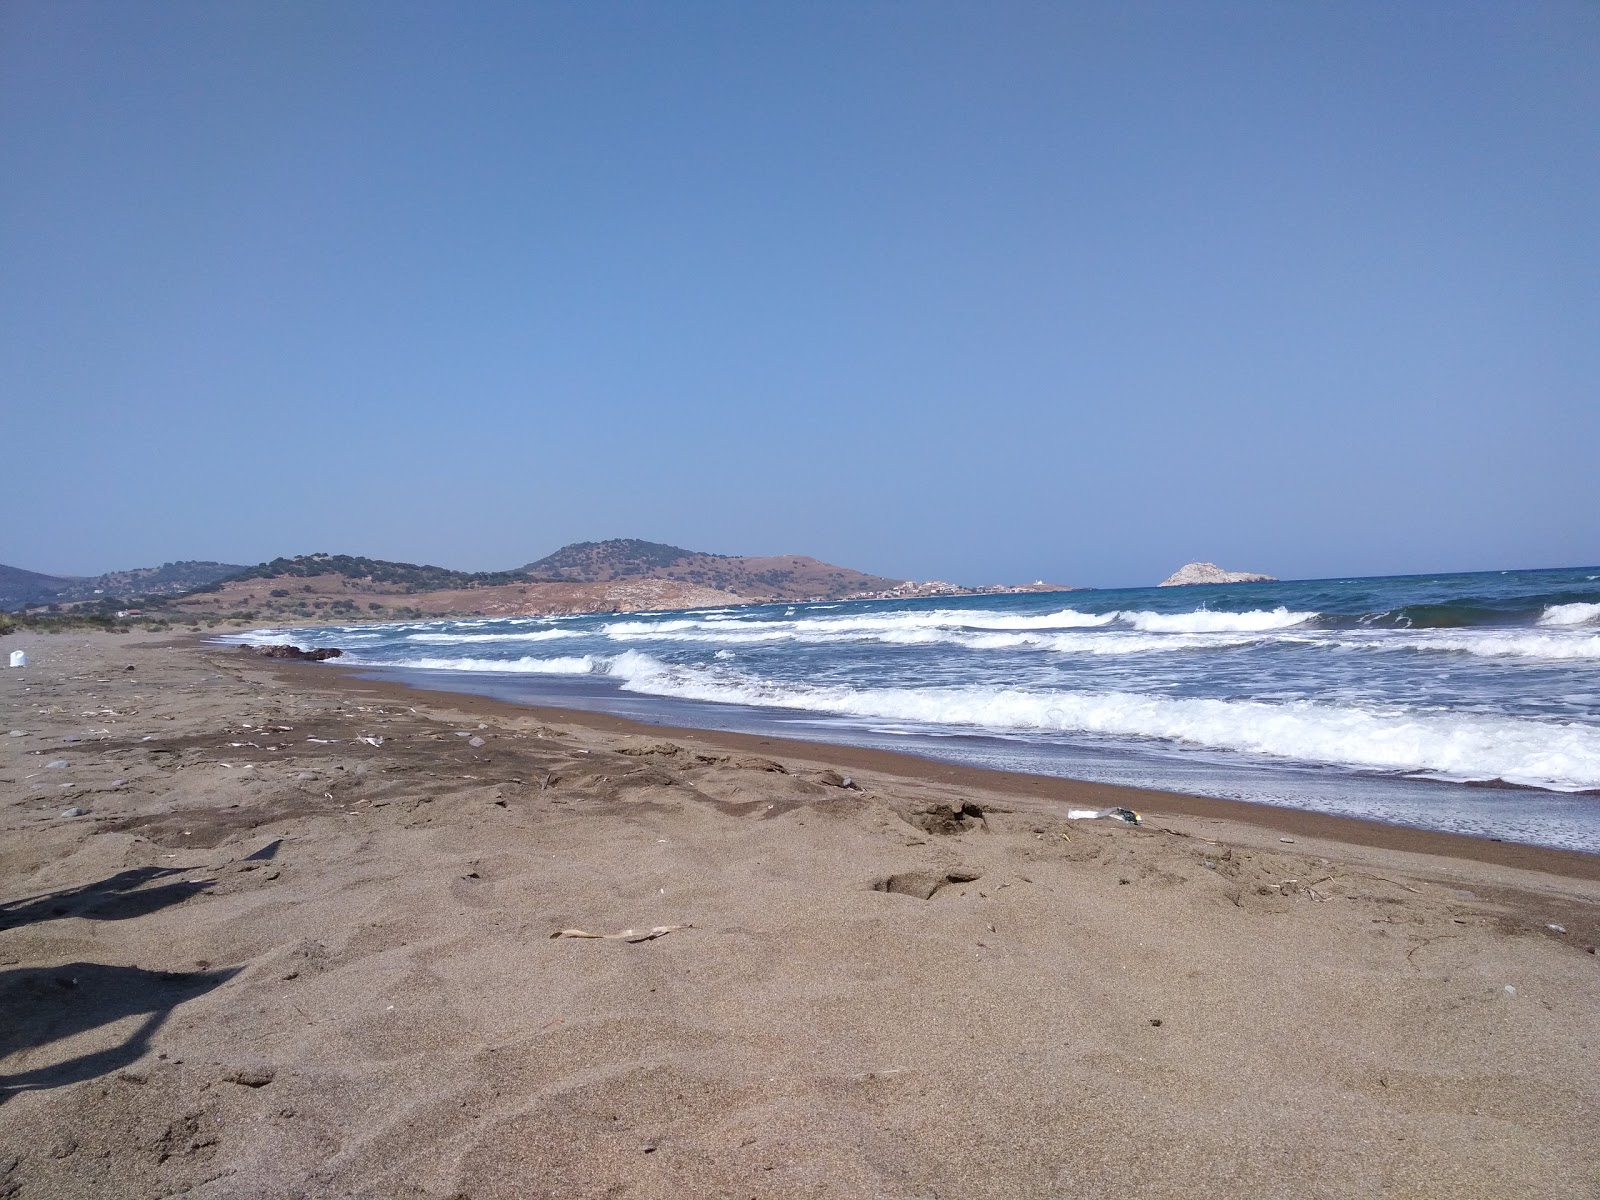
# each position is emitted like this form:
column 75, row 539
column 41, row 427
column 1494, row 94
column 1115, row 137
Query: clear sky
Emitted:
column 975, row 291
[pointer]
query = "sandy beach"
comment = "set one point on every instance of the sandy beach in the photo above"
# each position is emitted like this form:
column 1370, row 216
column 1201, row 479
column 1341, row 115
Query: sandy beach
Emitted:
column 307, row 935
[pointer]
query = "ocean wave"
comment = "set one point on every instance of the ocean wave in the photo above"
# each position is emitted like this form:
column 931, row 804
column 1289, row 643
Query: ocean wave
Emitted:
column 1526, row 645
column 911, row 628
column 1554, row 647
column 257, row 637
column 1100, row 642
column 869, row 623
column 1206, row 621
column 584, row 665
column 1571, row 614
column 1460, row 746
column 538, row 635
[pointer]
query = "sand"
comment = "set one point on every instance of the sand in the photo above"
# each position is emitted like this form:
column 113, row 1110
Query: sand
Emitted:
column 273, row 959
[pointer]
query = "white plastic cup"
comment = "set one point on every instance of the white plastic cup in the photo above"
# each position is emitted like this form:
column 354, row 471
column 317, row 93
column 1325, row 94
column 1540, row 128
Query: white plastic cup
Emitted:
column 19, row 658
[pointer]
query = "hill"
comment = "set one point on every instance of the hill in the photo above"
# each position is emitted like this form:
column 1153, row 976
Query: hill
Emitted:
column 19, row 588
column 782, row 577
column 399, row 575
column 623, row 575
column 618, row 558
column 169, row 579
column 619, row 575
column 26, row 589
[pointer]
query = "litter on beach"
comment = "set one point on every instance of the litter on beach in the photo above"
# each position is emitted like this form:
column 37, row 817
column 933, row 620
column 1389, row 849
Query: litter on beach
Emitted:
column 1126, row 815
column 626, row 935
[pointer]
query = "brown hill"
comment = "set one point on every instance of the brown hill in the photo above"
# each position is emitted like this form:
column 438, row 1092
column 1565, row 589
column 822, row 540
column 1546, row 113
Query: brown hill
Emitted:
column 342, row 598
column 622, row 575
column 779, row 577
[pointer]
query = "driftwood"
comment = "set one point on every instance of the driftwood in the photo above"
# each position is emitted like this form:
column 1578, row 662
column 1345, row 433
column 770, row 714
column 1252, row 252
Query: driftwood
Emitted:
column 627, row 935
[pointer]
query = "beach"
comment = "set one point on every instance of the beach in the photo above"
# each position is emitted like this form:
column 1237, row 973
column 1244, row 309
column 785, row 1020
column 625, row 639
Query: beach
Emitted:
column 310, row 934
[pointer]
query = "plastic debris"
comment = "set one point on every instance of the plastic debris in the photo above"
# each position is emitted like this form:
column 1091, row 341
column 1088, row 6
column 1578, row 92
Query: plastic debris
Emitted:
column 19, row 658
column 371, row 741
column 73, row 812
column 56, row 765
column 475, row 742
column 1556, row 928
column 626, row 935
column 1126, row 815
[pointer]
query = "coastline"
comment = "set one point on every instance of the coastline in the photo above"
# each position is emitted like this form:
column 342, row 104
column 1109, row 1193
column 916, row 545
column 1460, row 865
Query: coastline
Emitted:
column 1325, row 827
column 303, row 935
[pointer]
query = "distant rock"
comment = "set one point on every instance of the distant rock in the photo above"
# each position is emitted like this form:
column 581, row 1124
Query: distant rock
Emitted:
column 1204, row 572
column 321, row 654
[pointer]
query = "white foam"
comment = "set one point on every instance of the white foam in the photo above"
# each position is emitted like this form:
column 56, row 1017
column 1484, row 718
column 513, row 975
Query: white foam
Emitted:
column 1467, row 746
column 872, row 623
column 1570, row 614
column 272, row 637
column 1067, row 631
column 1557, row 647
column 537, row 635
column 587, row 664
column 1206, row 621
column 1100, row 642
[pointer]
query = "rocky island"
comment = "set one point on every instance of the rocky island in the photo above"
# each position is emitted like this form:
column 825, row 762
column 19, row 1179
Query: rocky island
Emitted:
column 1205, row 572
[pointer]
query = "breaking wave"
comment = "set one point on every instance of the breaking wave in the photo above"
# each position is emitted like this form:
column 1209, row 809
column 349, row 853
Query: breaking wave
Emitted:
column 584, row 665
column 981, row 630
column 1448, row 745
column 1571, row 614
column 452, row 639
column 1205, row 621
column 1459, row 746
column 1554, row 647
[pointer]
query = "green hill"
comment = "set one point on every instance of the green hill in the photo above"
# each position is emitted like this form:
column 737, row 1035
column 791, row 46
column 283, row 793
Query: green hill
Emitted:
column 618, row 558
column 417, row 577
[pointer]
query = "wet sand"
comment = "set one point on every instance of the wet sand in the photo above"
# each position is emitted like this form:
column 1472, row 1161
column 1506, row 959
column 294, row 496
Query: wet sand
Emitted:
column 299, row 943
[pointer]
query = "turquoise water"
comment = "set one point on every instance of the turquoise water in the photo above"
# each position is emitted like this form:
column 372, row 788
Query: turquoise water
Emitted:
column 1466, row 702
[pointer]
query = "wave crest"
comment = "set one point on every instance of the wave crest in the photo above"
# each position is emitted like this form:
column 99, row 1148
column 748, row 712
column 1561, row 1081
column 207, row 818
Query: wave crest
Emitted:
column 1571, row 614
column 1462, row 746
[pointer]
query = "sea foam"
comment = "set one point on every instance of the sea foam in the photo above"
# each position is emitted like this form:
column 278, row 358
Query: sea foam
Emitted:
column 1571, row 614
column 451, row 639
column 1463, row 746
column 1451, row 745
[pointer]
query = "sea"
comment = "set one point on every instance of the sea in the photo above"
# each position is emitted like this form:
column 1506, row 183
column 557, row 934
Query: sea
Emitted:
column 1461, row 702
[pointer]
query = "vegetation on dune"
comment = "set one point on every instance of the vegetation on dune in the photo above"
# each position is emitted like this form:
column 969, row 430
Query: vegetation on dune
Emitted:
column 27, row 589
column 410, row 576
column 77, row 620
column 616, row 558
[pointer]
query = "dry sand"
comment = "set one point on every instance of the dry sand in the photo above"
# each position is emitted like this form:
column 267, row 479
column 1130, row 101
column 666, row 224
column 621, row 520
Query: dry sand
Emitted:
column 272, row 959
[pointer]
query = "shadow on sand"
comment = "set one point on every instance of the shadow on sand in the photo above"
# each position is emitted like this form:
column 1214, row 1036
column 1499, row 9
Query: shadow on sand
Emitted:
column 42, row 1005
column 116, row 898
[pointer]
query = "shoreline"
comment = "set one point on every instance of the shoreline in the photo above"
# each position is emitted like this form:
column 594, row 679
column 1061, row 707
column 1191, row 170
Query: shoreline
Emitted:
column 1327, row 827
column 269, row 930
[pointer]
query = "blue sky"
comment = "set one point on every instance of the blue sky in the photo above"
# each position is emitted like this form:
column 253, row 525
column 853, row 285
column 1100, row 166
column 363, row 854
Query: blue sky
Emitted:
column 975, row 292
